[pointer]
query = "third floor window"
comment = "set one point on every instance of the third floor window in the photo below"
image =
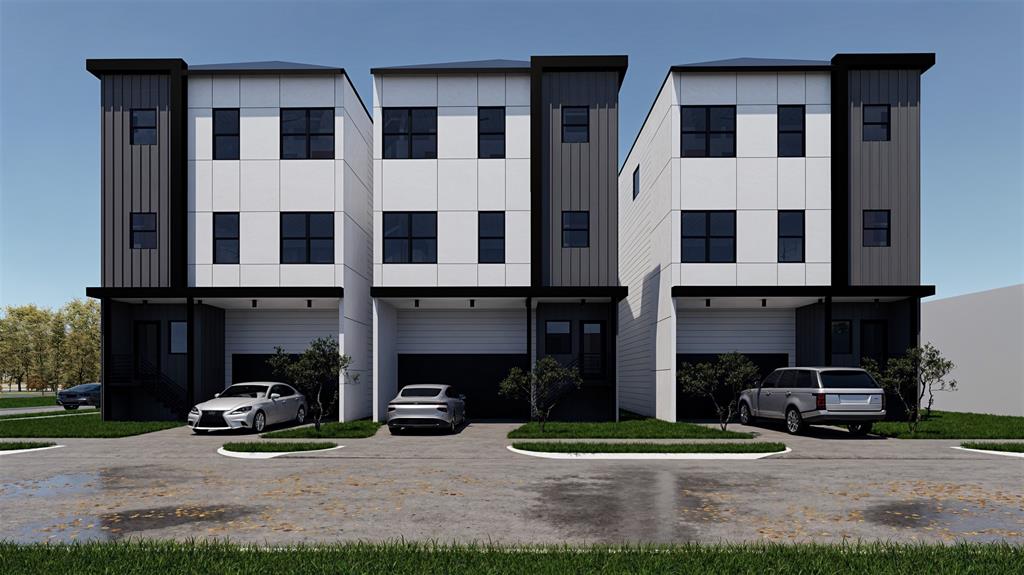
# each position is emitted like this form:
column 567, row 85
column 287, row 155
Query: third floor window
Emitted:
column 307, row 238
column 876, row 123
column 708, row 132
column 410, row 237
column 143, row 127
column 791, row 131
column 876, row 229
column 225, row 134
column 491, row 132
column 791, row 236
column 307, row 133
column 410, row 133
column 491, row 248
column 575, row 124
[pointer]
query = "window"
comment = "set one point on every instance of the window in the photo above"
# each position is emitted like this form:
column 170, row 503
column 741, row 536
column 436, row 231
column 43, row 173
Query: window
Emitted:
column 787, row 379
column 143, row 128
column 307, row 238
column 876, row 229
column 876, row 123
column 410, row 133
column 838, row 379
column 772, row 379
column 842, row 336
column 225, row 134
column 143, row 231
column 575, row 124
column 791, row 131
column 178, row 339
column 791, row 236
column 307, row 133
column 490, row 133
column 225, row 238
column 491, row 248
column 557, row 337
column 410, row 237
column 709, row 132
column 805, row 379
column 592, row 348
column 709, row 237
column 575, row 229
column 636, row 182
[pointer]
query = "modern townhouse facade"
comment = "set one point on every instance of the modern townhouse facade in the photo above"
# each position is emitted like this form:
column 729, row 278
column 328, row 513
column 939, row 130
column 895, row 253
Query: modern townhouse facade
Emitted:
column 772, row 208
column 236, row 218
column 495, row 227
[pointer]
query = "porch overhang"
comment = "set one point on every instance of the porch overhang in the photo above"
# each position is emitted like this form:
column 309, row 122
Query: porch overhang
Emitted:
column 612, row 293
column 295, row 292
column 835, row 292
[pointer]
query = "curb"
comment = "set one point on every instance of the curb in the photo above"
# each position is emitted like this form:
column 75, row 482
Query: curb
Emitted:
column 269, row 454
column 990, row 452
column 649, row 456
column 13, row 451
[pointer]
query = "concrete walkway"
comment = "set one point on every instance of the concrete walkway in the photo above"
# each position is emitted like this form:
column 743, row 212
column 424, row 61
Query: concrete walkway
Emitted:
column 42, row 409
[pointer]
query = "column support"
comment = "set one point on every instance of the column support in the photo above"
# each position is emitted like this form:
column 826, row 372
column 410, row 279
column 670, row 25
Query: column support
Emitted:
column 190, row 330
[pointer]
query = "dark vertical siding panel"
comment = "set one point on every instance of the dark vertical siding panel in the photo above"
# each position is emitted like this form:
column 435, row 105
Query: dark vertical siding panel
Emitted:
column 107, row 187
column 163, row 187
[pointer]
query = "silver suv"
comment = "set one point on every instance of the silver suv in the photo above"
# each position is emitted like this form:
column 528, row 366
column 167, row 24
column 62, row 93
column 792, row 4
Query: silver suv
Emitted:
column 810, row 395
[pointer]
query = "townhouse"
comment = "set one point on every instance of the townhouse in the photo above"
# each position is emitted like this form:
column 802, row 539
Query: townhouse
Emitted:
column 770, row 207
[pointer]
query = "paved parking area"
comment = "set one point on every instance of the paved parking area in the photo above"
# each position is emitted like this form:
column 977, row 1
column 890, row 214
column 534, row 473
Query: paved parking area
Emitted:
column 468, row 487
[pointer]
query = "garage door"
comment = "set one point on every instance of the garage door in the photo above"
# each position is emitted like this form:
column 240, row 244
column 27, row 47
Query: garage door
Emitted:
column 257, row 332
column 253, row 367
column 475, row 375
column 748, row 331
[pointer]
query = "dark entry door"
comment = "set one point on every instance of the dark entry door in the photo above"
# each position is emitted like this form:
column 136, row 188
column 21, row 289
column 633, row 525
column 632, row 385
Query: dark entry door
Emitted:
column 874, row 341
column 592, row 349
column 147, row 348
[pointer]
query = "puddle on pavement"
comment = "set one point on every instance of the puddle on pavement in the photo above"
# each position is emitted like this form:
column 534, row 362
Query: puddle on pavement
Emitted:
column 135, row 523
column 951, row 520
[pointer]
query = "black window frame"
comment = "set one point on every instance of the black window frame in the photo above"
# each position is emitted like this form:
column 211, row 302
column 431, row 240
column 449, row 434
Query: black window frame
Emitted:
column 481, row 237
column 137, row 231
column 135, row 127
column 865, row 123
column 707, row 131
column 865, row 228
column 409, row 134
column 573, row 124
column 848, row 349
column 636, row 181
column 308, row 237
column 410, row 237
column 236, row 134
column 707, row 236
column 802, row 131
column 802, row 237
column 561, row 337
column 480, row 132
column 218, row 238
column 307, row 135
column 170, row 337
column 574, row 228
column 601, row 370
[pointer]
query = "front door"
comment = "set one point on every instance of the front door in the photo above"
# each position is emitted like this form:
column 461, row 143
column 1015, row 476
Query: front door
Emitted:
column 874, row 341
column 592, row 350
column 147, row 349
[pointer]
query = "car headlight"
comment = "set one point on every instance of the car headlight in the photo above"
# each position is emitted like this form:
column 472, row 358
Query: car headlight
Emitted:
column 195, row 411
column 245, row 409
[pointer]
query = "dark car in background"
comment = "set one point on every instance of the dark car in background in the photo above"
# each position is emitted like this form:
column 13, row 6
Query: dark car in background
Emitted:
column 84, row 394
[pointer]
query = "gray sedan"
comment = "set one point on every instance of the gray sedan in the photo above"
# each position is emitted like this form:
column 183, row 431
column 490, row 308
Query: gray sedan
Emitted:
column 426, row 407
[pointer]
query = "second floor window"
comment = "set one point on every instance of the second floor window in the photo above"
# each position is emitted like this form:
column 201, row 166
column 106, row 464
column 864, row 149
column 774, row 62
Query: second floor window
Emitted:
column 225, row 134
column 709, row 237
column 410, row 133
column 876, row 123
column 575, row 229
column 708, row 132
column 575, row 124
column 791, row 131
column 307, row 238
column 225, row 238
column 491, row 133
column 492, row 238
column 636, row 182
column 410, row 237
column 143, row 230
column 307, row 133
column 876, row 229
column 143, row 127
column 791, row 236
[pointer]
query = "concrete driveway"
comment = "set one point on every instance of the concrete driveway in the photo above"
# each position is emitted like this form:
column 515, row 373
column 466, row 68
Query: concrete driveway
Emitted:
column 468, row 487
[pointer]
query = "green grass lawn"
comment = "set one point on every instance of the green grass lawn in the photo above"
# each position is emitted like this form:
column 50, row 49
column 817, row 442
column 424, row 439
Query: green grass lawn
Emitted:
column 334, row 429
column 952, row 425
column 581, row 447
column 626, row 429
column 1012, row 447
column 148, row 557
column 60, row 413
column 80, row 426
column 12, row 445
column 275, row 446
column 27, row 401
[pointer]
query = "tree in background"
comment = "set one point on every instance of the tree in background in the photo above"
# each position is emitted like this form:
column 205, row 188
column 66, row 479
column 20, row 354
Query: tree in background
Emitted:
column 921, row 371
column 46, row 350
column 80, row 324
column 721, row 382
column 320, row 365
column 544, row 386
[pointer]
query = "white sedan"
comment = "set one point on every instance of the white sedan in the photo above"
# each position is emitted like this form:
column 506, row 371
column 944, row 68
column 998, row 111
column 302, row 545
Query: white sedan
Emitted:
column 252, row 405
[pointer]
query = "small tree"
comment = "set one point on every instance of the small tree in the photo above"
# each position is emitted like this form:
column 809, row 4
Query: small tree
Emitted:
column 544, row 386
column 320, row 365
column 721, row 382
column 921, row 371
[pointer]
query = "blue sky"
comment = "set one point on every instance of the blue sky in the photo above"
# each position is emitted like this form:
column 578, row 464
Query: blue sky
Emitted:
column 972, row 117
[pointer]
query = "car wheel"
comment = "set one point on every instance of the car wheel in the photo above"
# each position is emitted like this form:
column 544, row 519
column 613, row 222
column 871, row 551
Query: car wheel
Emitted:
column 860, row 429
column 300, row 417
column 259, row 421
column 394, row 430
column 794, row 421
column 452, row 427
column 70, row 407
column 745, row 417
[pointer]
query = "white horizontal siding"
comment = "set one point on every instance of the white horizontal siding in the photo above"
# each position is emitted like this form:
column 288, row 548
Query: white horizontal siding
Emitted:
column 461, row 331
column 260, row 331
column 742, row 330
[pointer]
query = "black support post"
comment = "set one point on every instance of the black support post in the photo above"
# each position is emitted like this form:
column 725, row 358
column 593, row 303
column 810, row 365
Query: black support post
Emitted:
column 828, row 331
column 190, row 330
column 105, row 358
column 529, row 330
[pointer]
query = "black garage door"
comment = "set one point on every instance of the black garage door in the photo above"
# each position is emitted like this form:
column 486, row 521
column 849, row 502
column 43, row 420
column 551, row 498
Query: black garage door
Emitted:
column 253, row 367
column 475, row 375
column 689, row 407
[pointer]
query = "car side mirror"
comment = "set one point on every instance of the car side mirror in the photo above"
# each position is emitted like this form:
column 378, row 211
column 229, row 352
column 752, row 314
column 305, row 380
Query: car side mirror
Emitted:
column 275, row 395
column 216, row 395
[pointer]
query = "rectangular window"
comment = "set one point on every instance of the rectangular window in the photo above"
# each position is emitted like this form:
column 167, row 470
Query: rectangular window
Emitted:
column 791, row 131
column 178, row 339
column 575, row 124
column 225, row 238
column 575, row 229
column 307, row 133
column 307, row 238
column 592, row 348
column 709, row 237
column 876, row 123
column 225, row 134
column 492, row 238
column 791, row 236
column 876, row 229
column 708, row 132
column 490, row 132
column 410, row 133
column 636, row 182
column 410, row 237
column 842, row 336
column 557, row 337
column 143, row 230
column 143, row 127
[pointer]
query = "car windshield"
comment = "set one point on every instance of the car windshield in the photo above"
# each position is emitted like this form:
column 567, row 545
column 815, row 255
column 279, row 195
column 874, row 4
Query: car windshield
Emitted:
column 244, row 391
column 847, row 379
column 421, row 391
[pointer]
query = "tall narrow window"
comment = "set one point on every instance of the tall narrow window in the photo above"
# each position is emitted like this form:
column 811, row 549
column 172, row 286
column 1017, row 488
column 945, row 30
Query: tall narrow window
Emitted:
column 709, row 237
column 410, row 237
column 225, row 134
column 557, row 337
column 791, row 131
column 307, row 133
column 575, row 124
column 225, row 238
column 177, row 337
column 490, row 132
column 592, row 348
column 876, row 229
column 410, row 133
column 842, row 336
column 708, row 132
column 575, row 229
column 636, row 182
column 492, row 238
column 876, row 123
column 307, row 238
column 791, row 236
column 143, row 231
column 143, row 127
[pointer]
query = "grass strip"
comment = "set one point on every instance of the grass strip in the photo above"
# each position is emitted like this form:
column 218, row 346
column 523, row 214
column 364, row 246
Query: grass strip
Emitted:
column 334, row 429
column 633, row 447
column 30, row 401
column 629, row 429
column 80, row 426
column 277, row 446
column 953, row 425
column 170, row 558
column 1012, row 447
column 48, row 414
column 12, row 445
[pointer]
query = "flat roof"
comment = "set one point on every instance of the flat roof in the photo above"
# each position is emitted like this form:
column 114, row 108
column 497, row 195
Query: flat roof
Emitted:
column 754, row 64
column 266, row 67
column 465, row 67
